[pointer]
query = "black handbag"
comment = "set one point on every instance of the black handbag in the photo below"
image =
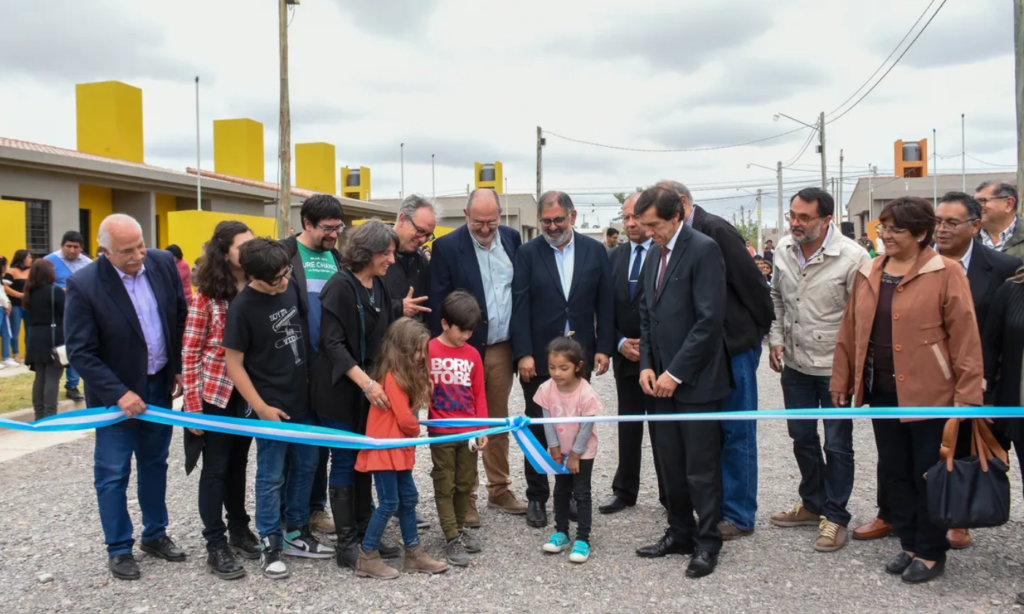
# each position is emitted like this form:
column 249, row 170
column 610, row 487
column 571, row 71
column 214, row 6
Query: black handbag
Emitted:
column 972, row 492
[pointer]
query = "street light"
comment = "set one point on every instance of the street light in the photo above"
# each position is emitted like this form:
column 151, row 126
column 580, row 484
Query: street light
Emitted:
column 820, row 127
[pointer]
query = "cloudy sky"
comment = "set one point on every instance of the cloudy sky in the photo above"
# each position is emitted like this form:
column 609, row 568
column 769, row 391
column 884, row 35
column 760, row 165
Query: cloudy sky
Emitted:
column 471, row 81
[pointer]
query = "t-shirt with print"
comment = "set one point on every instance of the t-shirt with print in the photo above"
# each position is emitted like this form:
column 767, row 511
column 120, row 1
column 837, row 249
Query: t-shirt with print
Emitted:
column 319, row 266
column 458, row 377
column 268, row 330
column 581, row 402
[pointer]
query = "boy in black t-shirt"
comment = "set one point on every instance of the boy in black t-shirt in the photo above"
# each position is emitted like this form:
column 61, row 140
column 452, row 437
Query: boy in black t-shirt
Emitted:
column 266, row 349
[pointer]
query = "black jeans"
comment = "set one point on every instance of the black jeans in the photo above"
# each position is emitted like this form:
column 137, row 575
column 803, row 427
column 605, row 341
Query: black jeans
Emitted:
column 633, row 401
column 826, row 482
column 222, row 483
column 576, row 486
column 537, row 486
column 45, row 388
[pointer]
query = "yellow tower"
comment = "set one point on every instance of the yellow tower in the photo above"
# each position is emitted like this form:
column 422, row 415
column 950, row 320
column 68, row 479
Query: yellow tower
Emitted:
column 109, row 116
column 489, row 175
column 911, row 158
column 314, row 167
column 238, row 148
column 355, row 183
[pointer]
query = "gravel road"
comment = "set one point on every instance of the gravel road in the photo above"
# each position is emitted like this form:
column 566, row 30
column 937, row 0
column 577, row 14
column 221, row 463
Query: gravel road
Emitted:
column 52, row 557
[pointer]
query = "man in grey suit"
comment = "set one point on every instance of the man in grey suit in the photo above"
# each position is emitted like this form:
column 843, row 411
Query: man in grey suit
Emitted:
column 685, row 366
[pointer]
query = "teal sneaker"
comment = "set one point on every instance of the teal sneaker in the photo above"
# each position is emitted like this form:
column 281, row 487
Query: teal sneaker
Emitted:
column 559, row 542
column 580, row 552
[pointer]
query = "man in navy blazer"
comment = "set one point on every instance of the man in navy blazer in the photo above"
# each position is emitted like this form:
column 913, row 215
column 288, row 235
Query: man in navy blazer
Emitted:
column 479, row 258
column 123, row 323
column 562, row 283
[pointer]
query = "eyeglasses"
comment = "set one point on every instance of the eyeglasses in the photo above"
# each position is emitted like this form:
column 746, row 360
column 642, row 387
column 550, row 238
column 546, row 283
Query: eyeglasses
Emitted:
column 882, row 229
column 277, row 280
column 952, row 224
column 478, row 225
column 800, row 218
column 330, row 230
column 985, row 201
column 556, row 221
column 420, row 233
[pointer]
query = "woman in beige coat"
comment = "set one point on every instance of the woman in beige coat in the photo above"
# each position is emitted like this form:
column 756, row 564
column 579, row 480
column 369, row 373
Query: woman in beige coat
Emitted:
column 909, row 338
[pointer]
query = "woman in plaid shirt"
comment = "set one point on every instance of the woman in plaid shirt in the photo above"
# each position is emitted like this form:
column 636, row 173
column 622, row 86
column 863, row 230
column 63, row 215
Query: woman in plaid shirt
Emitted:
column 208, row 390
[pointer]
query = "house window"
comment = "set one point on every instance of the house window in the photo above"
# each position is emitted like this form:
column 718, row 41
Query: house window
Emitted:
column 37, row 225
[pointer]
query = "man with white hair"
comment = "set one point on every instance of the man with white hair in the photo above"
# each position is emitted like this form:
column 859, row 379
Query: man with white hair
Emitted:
column 407, row 280
column 123, row 323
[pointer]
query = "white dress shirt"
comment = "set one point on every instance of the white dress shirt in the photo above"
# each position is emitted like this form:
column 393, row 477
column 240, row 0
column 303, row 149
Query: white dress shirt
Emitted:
column 646, row 245
column 565, row 262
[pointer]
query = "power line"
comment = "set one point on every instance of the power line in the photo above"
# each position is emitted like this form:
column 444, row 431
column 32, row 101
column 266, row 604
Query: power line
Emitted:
column 692, row 149
column 882, row 78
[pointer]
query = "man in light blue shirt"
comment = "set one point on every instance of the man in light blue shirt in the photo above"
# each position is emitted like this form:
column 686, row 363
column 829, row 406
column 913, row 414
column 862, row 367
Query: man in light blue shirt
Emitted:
column 66, row 261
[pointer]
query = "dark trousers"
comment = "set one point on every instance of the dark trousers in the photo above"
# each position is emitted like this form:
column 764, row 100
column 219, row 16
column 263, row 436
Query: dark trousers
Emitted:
column 690, row 454
column 115, row 445
column 537, row 486
column 575, row 486
column 826, row 482
column 906, row 450
column 222, row 483
column 318, row 496
column 45, row 388
column 633, row 401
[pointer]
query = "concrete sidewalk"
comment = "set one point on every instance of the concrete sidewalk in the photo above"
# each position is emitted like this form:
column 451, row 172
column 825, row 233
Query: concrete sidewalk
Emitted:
column 15, row 444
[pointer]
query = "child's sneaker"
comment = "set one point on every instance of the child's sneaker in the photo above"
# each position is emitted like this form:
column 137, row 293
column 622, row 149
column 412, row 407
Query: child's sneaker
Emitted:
column 270, row 558
column 559, row 542
column 580, row 552
column 301, row 543
column 472, row 544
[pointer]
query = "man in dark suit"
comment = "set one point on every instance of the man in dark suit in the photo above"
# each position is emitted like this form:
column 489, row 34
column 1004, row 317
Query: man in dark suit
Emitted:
column 627, row 263
column 124, row 323
column 408, row 278
column 562, row 283
column 479, row 257
column 684, row 364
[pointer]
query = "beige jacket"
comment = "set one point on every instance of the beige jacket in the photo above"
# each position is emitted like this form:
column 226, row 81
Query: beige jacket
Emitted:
column 809, row 303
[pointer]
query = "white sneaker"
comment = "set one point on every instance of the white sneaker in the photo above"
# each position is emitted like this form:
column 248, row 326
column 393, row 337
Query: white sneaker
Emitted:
column 10, row 362
column 2, row 366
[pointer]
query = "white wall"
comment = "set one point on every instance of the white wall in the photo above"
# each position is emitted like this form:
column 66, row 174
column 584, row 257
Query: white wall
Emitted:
column 142, row 207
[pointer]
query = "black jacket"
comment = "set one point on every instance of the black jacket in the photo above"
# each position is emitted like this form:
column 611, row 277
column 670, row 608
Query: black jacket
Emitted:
column 748, row 307
column 1003, row 347
column 987, row 271
column 409, row 271
column 299, row 272
column 627, row 311
column 39, row 340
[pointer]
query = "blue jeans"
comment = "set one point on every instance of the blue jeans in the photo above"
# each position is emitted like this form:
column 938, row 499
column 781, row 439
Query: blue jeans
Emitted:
column 73, row 379
column 271, row 456
column 826, row 482
column 149, row 443
column 396, row 493
column 5, row 336
column 17, row 315
column 343, row 461
column 739, row 444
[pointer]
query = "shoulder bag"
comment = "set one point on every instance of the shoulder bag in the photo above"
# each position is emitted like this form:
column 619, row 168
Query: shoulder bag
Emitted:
column 59, row 352
column 972, row 492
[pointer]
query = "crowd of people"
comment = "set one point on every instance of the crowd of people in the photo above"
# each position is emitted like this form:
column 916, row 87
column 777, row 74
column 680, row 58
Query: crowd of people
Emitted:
column 376, row 335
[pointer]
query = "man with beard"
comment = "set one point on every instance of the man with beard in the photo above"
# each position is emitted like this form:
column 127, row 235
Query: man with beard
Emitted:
column 408, row 280
column 1001, row 228
column 314, row 260
column 814, row 270
column 478, row 257
column 561, row 284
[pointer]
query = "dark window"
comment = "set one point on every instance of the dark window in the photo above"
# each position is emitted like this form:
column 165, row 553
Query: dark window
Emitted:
column 84, row 227
column 37, row 225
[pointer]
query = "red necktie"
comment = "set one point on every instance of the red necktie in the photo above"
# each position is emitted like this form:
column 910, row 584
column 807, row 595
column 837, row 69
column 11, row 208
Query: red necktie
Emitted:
column 661, row 272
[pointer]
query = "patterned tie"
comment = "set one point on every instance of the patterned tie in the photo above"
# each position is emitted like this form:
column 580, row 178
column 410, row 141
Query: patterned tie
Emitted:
column 661, row 271
column 634, row 271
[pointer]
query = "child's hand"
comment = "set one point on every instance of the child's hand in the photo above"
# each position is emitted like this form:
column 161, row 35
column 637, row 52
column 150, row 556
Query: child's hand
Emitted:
column 556, row 454
column 481, row 442
column 574, row 463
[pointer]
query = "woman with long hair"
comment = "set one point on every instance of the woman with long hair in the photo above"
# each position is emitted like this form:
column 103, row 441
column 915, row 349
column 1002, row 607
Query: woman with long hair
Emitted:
column 14, row 281
column 5, row 327
column 208, row 390
column 44, row 303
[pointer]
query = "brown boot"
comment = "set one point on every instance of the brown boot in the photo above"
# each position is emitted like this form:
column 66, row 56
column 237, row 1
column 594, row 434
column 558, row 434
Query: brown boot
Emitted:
column 507, row 503
column 418, row 561
column 370, row 565
column 473, row 519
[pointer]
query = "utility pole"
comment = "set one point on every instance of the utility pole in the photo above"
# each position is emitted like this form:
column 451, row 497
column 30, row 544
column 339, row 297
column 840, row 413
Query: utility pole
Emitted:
column 760, row 236
column 935, row 171
column 963, row 154
column 778, row 173
column 540, row 163
column 199, row 168
column 871, row 193
column 284, row 204
column 1018, row 44
column 821, row 136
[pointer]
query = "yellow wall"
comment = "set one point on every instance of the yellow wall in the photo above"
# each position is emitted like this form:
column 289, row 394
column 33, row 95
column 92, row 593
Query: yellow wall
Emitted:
column 238, row 148
column 314, row 167
column 189, row 230
column 499, row 182
column 164, row 205
column 13, row 235
column 99, row 201
column 109, row 115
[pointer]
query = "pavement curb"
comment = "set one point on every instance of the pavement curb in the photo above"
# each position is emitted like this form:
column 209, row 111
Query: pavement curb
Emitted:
column 27, row 415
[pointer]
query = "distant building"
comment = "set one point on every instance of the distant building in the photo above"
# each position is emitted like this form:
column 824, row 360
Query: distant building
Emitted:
column 517, row 210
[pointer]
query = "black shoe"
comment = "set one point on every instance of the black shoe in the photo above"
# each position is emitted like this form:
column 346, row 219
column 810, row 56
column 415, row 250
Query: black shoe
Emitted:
column 1020, row 598
column 271, row 562
column 74, row 395
column 245, row 544
column 422, row 522
column 536, row 515
column 702, row 564
column 222, row 564
column 389, row 552
column 665, row 546
column 162, row 547
column 124, row 567
column 918, row 572
column 574, row 512
column 343, row 509
column 614, row 504
column 898, row 564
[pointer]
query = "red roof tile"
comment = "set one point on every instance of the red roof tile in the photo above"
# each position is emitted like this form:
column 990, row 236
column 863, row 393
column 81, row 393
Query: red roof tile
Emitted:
column 251, row 182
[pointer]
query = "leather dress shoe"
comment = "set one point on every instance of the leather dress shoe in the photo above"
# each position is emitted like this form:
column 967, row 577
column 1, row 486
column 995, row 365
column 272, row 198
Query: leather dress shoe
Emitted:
column 665, row 546
column 875, row 529
column 614, row 504
column 918, row 572
column 162, row 547
column 898, row 564
column 702, row 564
column 958, row 538
column 124, row 567
column 536, row 515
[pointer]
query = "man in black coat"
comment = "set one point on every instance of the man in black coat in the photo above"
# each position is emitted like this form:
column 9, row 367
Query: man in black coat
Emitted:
column 562, row 283
column 408, row 279
column 748, row 317
column 627, row 263
column 685, row 366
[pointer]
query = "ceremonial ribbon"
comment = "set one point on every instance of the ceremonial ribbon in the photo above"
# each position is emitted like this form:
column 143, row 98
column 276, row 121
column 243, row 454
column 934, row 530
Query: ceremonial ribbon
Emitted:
column 533, row 450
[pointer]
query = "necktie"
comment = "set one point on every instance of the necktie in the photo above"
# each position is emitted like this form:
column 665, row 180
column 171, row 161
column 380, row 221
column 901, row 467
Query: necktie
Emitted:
column 661, row 270
column 634, row 271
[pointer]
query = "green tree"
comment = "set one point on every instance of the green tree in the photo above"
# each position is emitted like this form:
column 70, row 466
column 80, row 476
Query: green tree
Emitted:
column 621, row 197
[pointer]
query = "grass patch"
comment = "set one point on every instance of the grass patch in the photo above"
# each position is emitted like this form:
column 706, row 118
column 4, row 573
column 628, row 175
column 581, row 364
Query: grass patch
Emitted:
column 17, row 392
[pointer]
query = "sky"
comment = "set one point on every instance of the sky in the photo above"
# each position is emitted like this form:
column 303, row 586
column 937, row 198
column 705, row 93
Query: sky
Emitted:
column 471, row 81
